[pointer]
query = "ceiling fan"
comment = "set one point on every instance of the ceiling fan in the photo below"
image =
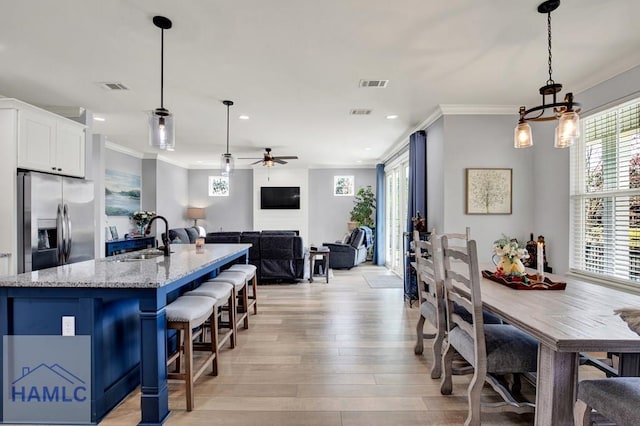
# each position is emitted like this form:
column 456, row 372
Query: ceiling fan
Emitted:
column 269, row 159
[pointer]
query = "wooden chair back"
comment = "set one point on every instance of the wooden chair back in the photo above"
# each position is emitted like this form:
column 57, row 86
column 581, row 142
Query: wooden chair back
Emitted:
column 461, row 270
column 429, row 274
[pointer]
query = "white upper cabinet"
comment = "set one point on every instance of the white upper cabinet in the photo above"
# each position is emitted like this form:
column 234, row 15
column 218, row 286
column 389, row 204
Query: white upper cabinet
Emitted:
column 50, row 143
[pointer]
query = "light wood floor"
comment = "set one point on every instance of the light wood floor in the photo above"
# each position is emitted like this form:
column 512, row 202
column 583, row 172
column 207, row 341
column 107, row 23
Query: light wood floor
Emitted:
column 323, row 354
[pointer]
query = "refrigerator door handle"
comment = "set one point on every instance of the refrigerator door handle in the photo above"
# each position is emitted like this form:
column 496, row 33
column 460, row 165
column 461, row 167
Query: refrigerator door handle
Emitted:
column 60, row 235
column 67, row 246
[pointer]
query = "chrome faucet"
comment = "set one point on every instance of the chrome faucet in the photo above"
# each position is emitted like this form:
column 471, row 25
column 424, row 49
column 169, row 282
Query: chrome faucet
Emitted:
column 165, row 236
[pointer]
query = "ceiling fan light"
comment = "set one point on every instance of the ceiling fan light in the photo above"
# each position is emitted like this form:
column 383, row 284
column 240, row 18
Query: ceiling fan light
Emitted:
column 226, row 164
column 522, row 137
column 268, row 163
column 161, row 129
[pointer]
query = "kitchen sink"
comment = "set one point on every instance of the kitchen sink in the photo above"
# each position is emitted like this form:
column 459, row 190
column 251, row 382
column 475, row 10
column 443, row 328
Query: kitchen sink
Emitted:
column 137, row 257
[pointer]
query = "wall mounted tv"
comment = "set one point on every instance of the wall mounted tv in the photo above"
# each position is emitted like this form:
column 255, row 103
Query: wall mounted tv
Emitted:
column 280, row 197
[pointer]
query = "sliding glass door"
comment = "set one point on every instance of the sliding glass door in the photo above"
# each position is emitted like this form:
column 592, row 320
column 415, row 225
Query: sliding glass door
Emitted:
column 396, row 190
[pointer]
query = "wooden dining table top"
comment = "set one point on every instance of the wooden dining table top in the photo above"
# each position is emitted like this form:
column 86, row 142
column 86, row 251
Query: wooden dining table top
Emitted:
column 579, row 318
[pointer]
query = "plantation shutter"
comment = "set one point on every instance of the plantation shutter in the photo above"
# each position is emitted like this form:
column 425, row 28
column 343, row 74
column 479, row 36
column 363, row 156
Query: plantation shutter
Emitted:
column 605, row 195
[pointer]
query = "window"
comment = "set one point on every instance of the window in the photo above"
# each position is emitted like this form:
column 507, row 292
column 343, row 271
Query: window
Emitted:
column 605, row 195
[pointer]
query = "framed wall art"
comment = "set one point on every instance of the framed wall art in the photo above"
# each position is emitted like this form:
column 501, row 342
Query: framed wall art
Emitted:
column 218, row 186
column 343, row 186
column 489, row 191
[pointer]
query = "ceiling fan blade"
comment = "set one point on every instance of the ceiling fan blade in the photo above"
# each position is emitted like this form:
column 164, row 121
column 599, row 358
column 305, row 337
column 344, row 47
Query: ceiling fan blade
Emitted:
column 287, row 157
column 249, row 158
column 279, row 160
column 255, row 162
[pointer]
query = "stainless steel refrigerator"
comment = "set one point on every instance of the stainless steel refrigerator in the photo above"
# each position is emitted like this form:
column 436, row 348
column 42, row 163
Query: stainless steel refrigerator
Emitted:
column 56, row 220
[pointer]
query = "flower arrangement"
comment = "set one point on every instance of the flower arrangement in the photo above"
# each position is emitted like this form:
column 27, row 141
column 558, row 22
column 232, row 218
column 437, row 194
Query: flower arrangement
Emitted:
column 142, row 218
column 508, row 256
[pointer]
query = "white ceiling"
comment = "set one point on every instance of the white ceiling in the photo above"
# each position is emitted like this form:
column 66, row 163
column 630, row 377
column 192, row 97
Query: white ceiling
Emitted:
column 293, row 66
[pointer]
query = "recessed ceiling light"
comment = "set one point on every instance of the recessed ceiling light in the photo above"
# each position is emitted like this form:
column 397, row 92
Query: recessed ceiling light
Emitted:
column 243, row 117
column 99, row 118
column 368, row 148
column 392, row 117
column 358, row 161
column 199, row 161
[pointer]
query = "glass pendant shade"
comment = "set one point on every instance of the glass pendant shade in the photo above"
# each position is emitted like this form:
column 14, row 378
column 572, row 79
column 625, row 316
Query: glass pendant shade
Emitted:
column 522, row 137
column 161, row 129
column 568, row 130
column 226, row 164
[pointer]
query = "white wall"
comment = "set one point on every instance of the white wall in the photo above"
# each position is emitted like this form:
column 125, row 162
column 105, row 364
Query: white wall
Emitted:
column 282, row 219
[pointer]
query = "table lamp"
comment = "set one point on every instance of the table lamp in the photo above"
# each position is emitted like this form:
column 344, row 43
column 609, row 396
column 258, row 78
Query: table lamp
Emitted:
column 195, row 213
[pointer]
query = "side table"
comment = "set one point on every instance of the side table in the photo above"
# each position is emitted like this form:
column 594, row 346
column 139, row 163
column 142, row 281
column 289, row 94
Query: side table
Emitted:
column 324, row 253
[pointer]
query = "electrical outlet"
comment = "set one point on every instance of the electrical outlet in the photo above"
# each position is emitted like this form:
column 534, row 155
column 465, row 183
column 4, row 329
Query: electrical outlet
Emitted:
column 68, row 326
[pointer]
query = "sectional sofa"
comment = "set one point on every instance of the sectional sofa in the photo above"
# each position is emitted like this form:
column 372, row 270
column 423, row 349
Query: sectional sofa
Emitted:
column 278, row 255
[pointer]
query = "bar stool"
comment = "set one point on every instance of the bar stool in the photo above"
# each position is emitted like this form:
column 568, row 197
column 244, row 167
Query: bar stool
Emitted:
column 183, row 315
column 239, row 281
column 223, row 294
column 250, row 272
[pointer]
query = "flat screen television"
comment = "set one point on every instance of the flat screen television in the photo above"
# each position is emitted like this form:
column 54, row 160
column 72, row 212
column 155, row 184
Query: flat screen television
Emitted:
column 280, row 197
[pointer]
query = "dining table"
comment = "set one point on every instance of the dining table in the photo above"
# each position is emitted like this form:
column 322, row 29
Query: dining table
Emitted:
column 579, row 318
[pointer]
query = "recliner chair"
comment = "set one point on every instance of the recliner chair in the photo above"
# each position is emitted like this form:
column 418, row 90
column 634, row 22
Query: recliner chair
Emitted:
column 349, row 254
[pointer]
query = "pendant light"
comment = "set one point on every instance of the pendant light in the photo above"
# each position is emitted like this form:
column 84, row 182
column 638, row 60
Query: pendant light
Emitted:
column 226, row 160
column 161, row 128
column 568, row 129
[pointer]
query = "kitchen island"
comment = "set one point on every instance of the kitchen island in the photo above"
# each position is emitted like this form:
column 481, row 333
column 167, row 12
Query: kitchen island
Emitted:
column 119, row 303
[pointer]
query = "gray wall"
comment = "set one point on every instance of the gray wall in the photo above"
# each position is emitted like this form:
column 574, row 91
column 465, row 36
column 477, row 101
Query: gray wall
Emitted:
column 115, row 160
column 328, row 214
column 172, row 198
column 479, row 141
column 232, row 213
column 551, row 166
column 435, row 175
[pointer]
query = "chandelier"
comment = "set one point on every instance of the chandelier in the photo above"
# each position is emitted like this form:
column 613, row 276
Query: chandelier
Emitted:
column 568, row 129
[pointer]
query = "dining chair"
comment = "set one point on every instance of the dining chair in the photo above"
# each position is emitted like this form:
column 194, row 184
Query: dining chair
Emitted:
column 616, row 398
column 494, row 350
column 430, row 297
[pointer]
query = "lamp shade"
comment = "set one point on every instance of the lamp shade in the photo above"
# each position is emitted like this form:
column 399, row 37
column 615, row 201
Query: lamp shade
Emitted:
column 226, row 164
column 568, row 130
column 522, row 137
column 161, row 129
column 195, row 213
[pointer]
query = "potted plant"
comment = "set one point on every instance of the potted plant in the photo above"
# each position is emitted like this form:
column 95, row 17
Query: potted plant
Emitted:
column 363, row 208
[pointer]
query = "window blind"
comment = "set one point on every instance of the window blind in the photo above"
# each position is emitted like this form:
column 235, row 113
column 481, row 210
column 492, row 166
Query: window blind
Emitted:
column 605, row 195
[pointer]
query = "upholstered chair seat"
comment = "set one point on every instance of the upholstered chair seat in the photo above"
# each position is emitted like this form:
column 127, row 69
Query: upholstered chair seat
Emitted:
column 251, row 276
column 239, row 280
column 509, row 350
column 222, row 296
column 186, row 314
column 616, row 398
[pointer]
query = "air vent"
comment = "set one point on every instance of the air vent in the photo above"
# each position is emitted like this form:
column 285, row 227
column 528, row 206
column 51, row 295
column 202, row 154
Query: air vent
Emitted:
column 113, row 86
column 360, row 111
column 378, row 84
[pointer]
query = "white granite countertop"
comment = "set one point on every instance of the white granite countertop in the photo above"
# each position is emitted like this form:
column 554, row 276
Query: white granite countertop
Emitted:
column 124, row 271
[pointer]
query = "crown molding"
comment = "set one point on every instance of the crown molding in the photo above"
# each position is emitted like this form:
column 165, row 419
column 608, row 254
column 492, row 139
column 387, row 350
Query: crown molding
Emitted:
column 123, row 149
column 459, row 109
column 448, row 109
